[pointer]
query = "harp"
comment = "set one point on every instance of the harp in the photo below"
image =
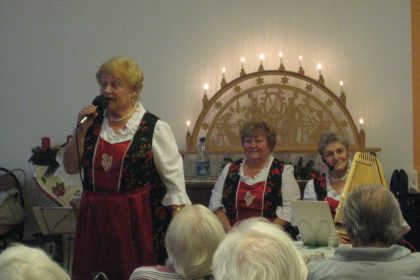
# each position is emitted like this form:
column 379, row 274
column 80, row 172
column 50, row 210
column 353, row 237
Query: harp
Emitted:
column 365, row 169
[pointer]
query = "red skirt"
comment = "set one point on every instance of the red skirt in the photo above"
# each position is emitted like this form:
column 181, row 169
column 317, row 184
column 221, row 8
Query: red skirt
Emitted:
column 114, row 234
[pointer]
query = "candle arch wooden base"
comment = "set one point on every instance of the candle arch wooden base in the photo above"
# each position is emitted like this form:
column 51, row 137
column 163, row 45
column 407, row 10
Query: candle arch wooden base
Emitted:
column 299, row 107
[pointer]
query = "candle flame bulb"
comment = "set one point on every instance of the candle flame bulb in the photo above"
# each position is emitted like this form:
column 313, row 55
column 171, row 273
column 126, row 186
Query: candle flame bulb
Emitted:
column 188, row 124
column 206, row 87
column 223, row 70
column 262, row 57
column 280, row 55
column 341, row 83
column 242, row 60
column 361, row 121
column 300, row 60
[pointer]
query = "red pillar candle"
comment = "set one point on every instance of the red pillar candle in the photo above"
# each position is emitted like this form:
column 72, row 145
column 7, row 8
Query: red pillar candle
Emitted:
column 45, row 143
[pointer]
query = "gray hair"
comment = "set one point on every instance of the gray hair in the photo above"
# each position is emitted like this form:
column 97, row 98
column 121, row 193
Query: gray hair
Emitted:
column 372, row 215
column 331, row 137
column 258, row 249
column 21, row 262
column 192, row 237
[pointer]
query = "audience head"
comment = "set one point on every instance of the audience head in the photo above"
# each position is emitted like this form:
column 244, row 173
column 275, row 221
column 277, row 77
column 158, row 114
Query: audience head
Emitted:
column 257, row 128
column 19, row 262
column 124, row 68
column 372, row 216
column 257, row 249
column 192, row 237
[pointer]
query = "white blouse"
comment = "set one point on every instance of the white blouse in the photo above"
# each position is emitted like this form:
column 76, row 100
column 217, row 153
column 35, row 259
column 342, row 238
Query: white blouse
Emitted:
column 310, row 194
column 289, row 188
column 168, row 160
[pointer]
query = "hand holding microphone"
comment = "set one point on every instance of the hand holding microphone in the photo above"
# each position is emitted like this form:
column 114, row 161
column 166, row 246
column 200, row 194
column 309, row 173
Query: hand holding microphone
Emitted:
column 99, row 104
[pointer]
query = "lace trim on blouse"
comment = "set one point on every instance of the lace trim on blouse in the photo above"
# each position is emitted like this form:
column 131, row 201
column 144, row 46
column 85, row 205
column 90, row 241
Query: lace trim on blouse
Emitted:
column 109, row 135
column 260, row 176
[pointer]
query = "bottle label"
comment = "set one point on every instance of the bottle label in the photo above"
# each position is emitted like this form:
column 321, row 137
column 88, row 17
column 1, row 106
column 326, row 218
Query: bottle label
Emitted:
column 203, row 168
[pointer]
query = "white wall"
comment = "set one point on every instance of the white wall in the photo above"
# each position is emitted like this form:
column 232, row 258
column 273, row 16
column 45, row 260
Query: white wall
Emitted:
column 50, row 50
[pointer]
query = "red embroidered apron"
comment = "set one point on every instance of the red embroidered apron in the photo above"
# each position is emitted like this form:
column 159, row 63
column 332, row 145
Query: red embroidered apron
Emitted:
column 104, row 242
column 250, row 200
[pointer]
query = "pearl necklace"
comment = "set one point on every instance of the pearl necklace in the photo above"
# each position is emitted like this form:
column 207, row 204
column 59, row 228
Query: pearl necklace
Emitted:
column 122, row 118
column 342, row 178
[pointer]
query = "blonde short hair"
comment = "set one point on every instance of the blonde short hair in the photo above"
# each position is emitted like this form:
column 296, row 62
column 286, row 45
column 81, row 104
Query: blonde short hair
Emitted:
column 20, row 262
column 192, row 237
column 127, row 69
column 257, row 249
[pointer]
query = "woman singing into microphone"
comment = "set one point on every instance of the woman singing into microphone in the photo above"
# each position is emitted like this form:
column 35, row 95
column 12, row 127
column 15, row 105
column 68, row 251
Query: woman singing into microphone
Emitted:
column 133, row 178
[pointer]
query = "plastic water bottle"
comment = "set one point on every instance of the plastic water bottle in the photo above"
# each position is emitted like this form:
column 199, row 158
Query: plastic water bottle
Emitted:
column 203, row 162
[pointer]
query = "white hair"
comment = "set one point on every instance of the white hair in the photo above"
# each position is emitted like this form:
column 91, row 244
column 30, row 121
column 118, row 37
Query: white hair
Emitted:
column 20, row 262
column 192, row 237
column 257, row 249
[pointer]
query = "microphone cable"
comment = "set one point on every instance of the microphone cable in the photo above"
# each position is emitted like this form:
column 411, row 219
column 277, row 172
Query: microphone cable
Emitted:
column 96, row 275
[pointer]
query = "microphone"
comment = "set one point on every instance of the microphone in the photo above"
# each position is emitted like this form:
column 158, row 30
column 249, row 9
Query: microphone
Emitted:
column 101, row 103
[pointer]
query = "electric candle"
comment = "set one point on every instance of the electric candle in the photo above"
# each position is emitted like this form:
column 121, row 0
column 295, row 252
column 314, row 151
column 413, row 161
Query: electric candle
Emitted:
column 319, row 67
column 300, row 60
column 261, row 68
column 242, row 73
column 205, row 98
column 361, row 122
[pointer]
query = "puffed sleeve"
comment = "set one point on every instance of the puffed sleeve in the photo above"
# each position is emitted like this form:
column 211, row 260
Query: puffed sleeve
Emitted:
column 169, row 164
column 217, row 192
column 309, row 193
column 290, row 191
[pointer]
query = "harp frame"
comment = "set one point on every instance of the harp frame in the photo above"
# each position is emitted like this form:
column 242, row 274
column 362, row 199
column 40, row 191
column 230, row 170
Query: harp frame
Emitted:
column 365, row 169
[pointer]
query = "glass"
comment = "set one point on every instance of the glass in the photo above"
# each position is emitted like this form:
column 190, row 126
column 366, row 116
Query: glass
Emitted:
column 333, row 241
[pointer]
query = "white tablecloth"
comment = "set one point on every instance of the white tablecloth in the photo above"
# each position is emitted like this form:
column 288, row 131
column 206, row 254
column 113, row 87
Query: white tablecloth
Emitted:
column 314, row 253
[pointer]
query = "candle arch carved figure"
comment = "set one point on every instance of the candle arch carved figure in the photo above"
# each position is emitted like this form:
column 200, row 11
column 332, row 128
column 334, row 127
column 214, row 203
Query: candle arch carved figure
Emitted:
column 298, row 107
